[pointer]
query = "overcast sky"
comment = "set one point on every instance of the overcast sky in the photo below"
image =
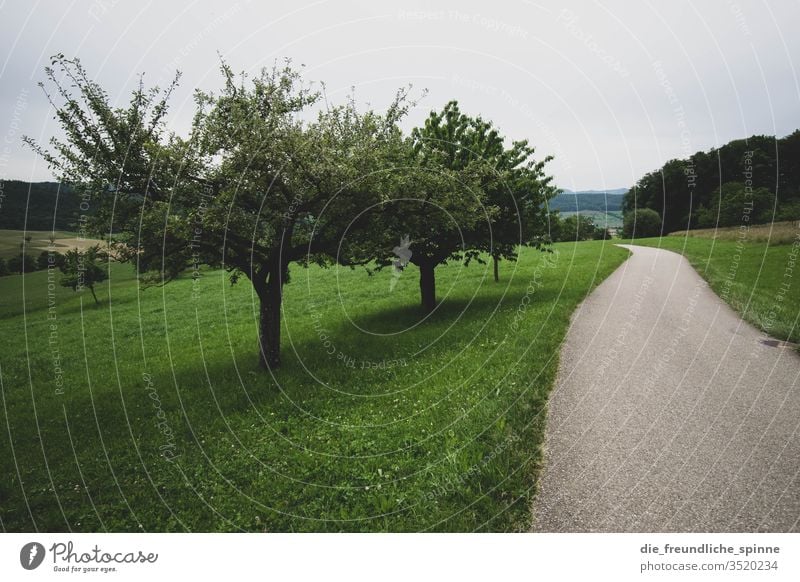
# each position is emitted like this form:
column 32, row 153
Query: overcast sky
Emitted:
column 612, row 89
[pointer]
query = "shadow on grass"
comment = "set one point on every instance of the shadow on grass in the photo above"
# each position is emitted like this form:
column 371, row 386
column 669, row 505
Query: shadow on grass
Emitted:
column 452, row 310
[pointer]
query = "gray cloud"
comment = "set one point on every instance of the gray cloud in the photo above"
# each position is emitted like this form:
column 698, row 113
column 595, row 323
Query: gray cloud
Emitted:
column 612, row 88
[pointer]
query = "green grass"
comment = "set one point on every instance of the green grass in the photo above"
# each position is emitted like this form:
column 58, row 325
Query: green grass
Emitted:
column 758, row 279
column 775, row 233
column 440, row 431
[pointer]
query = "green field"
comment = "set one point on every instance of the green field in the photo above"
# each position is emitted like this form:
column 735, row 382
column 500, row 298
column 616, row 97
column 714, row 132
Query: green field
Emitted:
column 149, row 413
column 759, row 280
column 609, row 219
column 11, row 242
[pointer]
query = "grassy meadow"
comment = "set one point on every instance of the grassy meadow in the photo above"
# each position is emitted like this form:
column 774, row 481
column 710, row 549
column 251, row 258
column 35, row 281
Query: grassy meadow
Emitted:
column 149, row 413
column 756, row 273
column 776, row 233
column 11, row 242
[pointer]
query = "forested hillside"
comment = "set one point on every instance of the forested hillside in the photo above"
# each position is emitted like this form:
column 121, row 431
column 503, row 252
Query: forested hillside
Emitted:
column 757, row 178
column 47, row 205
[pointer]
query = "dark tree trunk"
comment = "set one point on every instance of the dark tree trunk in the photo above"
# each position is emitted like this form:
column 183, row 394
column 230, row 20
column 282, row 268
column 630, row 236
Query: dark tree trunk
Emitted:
column 427, row 286
column 269, row 336
column 268, row 283
column 91, row 288
column 496, row 269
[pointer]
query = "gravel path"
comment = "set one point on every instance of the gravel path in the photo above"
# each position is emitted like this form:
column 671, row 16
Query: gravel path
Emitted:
column 670, row 413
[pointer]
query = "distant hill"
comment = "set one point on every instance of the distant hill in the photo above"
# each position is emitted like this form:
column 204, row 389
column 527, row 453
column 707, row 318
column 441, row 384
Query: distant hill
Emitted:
column 595, row 200
column 38, row 206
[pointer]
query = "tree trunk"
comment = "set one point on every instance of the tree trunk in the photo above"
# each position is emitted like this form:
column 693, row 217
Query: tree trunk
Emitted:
column 91, row 288
column 496, row 269
column 269, row 336
column 427, row 286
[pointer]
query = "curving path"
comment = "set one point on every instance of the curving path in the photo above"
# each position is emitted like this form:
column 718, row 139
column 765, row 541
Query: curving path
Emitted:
column 670, row 412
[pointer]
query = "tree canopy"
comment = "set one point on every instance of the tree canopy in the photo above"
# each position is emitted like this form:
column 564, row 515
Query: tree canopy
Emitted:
column 642, row 223
column 83, row 269
column 465, row 193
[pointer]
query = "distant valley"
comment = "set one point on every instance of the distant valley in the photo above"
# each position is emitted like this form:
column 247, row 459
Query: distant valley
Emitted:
column 603, row 206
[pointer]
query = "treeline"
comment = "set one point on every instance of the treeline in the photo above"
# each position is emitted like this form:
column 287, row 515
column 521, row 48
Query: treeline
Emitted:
column 26, row 263
column 38, row 206
column 754, row 180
